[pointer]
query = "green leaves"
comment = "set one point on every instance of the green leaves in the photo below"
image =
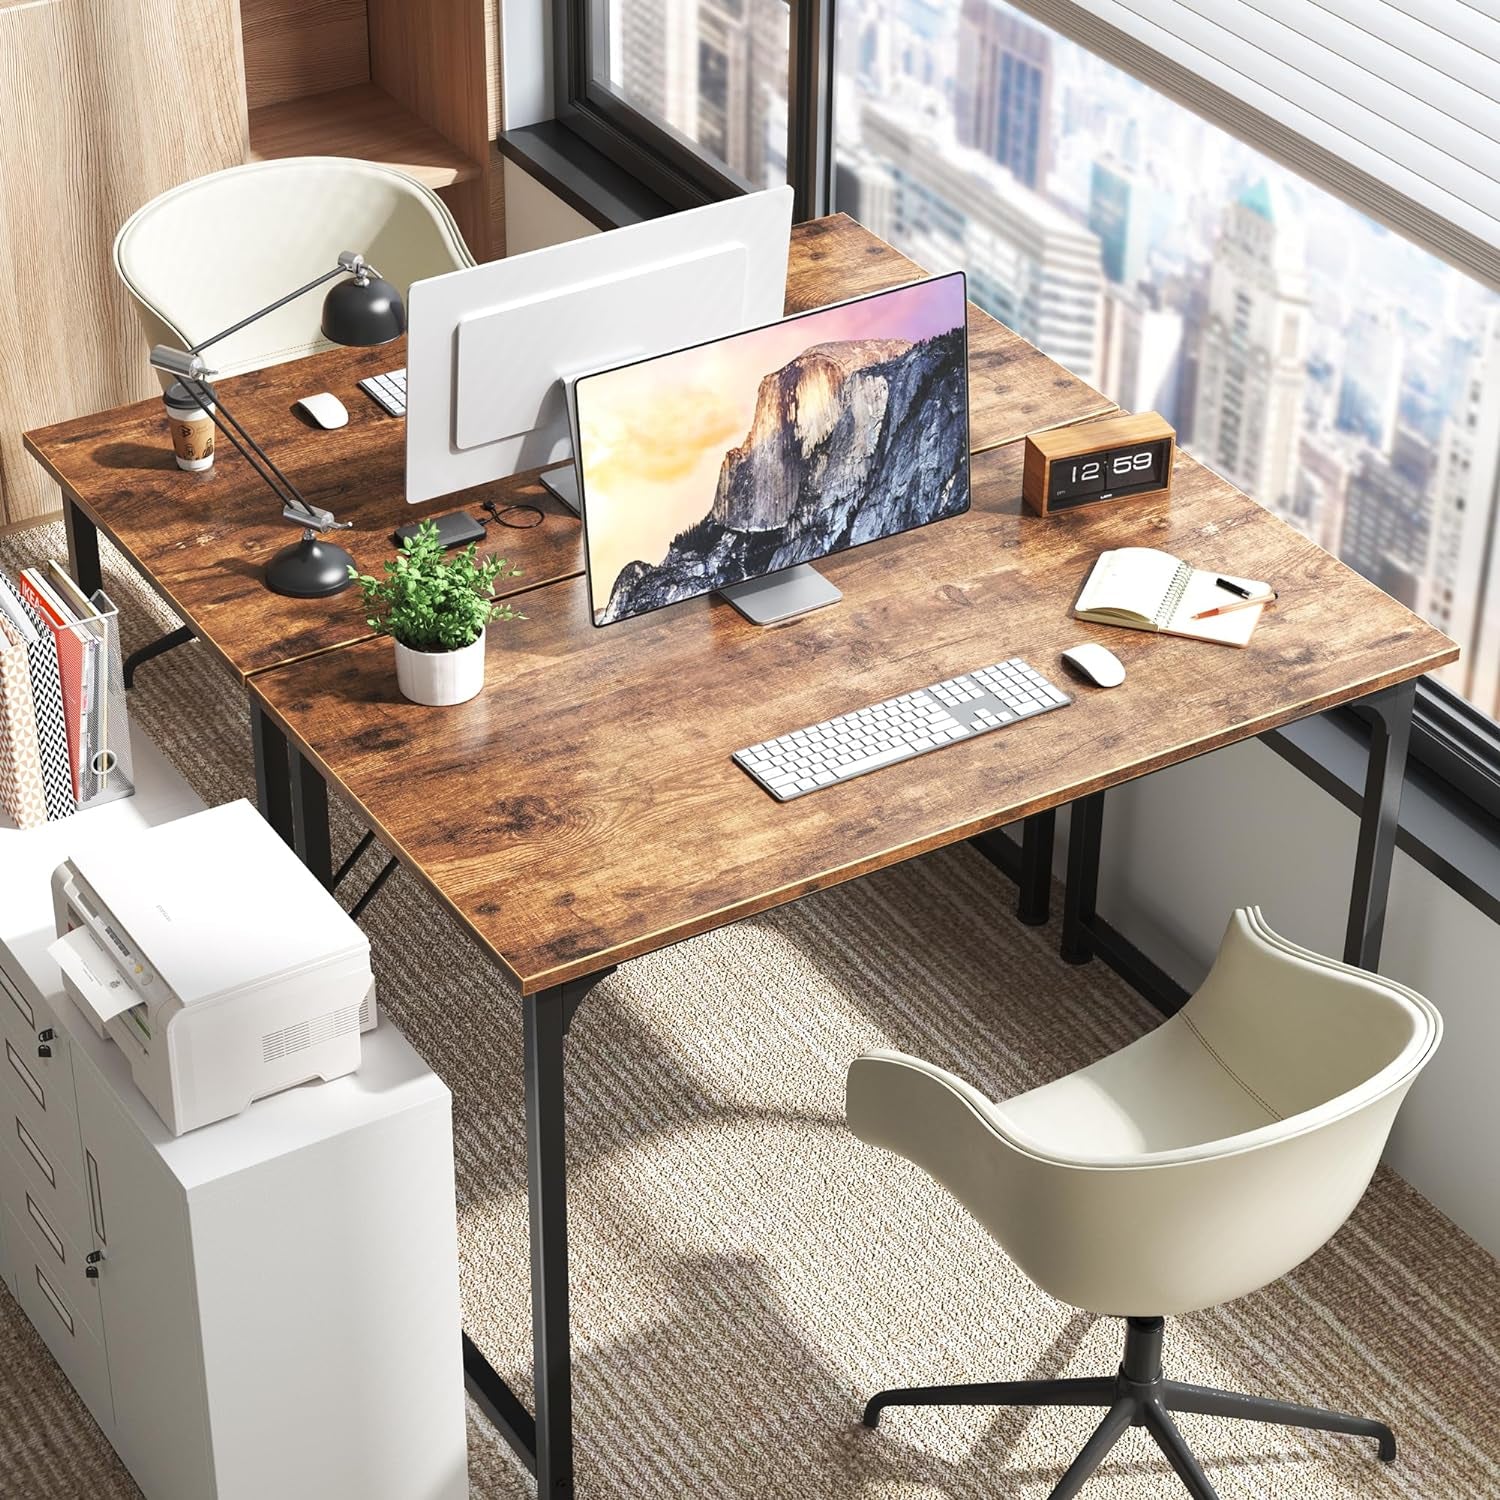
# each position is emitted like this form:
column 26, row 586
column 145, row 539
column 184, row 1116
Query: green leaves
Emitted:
column 431, row 602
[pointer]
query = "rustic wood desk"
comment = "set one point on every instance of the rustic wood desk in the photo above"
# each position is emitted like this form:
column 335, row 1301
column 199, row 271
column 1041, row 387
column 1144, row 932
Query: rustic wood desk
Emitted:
column 584, row 810
column 202, row 539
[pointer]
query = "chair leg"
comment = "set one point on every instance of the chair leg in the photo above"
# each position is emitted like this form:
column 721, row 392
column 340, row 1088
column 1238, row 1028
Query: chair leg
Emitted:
column 1179, row 1455
column 1204, row 1400
column 1106, row 1435
column 1100, row 1391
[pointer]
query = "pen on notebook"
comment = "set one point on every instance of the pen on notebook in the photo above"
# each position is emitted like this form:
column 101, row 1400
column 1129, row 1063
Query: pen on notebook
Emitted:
column 1234, row 588
column 1229, row 609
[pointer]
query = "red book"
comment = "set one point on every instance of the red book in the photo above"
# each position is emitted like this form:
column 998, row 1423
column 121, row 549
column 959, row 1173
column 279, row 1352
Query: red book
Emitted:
column 72, row 652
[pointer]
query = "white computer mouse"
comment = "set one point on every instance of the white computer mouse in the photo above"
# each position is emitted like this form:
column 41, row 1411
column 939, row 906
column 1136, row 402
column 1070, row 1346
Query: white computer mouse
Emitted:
column 1095, row 664
column 325, row 409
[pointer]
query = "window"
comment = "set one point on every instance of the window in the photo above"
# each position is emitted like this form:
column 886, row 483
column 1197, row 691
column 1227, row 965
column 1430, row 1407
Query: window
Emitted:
column 688, row 95
column 1345, row 378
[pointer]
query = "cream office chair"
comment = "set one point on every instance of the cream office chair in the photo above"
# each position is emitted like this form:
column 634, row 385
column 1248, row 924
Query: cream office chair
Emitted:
column 221, row 247
column 1199, row 1163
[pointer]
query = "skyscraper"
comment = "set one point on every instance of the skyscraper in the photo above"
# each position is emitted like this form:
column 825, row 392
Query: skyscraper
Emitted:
column 1388, row 516
column 1029, row 263
column 1247, row 414
column 1004, row 93
column 1370, row 381
column 713, row 69
column 1142, row 351
column 1119, row 213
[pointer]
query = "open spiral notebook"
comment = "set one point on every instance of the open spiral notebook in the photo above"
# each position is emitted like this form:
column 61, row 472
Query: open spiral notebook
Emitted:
column 1141, row 588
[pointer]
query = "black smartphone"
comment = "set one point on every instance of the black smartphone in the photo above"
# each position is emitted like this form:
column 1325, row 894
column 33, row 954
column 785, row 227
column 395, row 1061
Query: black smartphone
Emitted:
column 455, row 530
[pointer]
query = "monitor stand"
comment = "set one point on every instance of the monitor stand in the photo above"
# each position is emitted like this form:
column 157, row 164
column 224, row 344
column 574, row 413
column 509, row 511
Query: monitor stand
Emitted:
column 563, row 483
column 781, row 596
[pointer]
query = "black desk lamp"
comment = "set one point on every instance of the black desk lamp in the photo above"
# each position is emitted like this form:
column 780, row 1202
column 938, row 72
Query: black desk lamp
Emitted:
column 362, row 312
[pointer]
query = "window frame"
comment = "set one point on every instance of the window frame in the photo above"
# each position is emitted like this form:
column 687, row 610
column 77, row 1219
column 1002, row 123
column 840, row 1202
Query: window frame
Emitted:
column 666, row 161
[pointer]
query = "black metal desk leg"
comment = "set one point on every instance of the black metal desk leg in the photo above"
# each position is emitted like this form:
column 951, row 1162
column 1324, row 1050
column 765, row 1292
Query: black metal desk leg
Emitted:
column 546, row 1021
column 545, row 1443
column 83, row 547
column 159, row 647
column 1389, row 737
column 273, row 788
column 1034, row 887
column 310, row 817
column 1085, row 831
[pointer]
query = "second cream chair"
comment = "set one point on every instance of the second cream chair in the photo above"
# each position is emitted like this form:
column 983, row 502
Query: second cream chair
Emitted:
column 205, row 254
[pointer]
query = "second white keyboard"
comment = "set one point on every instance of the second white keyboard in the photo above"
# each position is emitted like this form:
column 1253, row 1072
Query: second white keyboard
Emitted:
column 840, row 749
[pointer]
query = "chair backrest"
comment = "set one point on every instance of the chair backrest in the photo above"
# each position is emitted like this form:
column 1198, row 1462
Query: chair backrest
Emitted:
column 1304, row 1031
column 1327, row 1050
column 211, row 251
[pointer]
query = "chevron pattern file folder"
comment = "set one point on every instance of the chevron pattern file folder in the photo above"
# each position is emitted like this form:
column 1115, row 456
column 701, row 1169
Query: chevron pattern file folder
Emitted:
column 51, row 766
column 47, row 701
column 21, row 789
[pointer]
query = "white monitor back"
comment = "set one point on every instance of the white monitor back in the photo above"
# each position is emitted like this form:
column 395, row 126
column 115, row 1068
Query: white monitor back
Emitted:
column 489, row 347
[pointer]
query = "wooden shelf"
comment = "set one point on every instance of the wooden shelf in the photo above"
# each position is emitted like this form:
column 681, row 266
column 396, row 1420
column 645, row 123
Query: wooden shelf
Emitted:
column 361, row 121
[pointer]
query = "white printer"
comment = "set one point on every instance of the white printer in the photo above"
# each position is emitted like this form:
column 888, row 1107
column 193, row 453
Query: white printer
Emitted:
column 215, row 960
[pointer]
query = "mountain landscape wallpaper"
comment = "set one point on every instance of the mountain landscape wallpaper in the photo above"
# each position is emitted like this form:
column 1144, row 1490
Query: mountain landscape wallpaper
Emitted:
column 744, row 456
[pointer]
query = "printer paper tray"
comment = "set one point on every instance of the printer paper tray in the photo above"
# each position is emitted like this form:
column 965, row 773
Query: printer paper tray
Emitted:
column 92, row 977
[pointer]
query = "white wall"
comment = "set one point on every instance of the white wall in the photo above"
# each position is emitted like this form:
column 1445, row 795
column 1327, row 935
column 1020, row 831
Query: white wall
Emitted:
column 1240, row 827
column 535, row 216
column 525, row 62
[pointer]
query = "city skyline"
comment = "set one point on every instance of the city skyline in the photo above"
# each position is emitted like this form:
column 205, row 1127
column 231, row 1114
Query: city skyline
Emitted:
column 1346, row 379
column 1342, row 376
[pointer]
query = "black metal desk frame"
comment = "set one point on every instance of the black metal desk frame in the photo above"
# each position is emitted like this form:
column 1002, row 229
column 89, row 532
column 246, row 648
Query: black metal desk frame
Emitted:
column 293, row 798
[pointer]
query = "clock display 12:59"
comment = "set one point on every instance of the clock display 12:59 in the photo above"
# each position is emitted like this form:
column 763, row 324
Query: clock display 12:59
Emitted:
column 1110, row 472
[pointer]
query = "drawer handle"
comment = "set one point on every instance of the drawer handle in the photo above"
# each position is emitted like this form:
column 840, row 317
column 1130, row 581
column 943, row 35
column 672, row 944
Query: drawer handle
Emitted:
column 18, row 1002
column 54, row 1299
column 24, row 1074
column 96, row 1197
column 36, row 1152
column 40, row 1220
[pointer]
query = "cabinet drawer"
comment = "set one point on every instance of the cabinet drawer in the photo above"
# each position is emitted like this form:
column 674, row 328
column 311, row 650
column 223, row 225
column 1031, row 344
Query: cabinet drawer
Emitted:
column 44, row 1297
column 14, row 1007
column 40, row 1091
column 60, row 1256
column 27, row 1171
column 21, row 1018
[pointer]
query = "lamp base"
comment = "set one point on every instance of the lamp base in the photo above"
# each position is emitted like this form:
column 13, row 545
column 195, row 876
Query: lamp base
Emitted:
column 309, row 569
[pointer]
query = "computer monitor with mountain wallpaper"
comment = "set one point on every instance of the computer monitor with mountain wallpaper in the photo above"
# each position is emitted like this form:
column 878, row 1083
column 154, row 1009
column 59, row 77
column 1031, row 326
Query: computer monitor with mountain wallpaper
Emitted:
column 732, row 465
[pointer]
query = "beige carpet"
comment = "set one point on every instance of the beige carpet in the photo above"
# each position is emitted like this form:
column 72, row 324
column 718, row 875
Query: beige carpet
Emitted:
column 745, row 1273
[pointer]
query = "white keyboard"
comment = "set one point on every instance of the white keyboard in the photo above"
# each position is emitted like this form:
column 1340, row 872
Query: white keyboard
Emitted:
column 852, row 744
column 388, row 391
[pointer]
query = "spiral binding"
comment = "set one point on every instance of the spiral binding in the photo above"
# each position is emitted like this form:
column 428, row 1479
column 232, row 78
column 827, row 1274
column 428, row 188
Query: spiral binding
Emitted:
column 1178, row 587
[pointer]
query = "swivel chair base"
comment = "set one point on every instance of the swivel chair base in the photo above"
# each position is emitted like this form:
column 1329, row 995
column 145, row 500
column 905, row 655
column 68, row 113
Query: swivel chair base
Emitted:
column 1138, row 1396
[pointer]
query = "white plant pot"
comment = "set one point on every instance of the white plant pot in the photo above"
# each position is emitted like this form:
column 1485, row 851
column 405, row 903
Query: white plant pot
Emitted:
column 438, row 678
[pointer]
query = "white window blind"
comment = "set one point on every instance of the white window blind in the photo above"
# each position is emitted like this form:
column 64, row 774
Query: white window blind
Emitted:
column 1394, row 105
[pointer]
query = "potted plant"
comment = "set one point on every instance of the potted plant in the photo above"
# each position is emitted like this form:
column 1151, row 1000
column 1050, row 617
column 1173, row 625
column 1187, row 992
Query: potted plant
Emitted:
column 435, row 609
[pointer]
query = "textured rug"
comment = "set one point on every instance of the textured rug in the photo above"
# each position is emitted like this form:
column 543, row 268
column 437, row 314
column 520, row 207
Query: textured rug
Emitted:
column 745, row 1273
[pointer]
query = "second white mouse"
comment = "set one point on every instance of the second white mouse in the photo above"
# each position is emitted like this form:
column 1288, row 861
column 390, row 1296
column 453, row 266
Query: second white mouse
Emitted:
column 1102, row 668
column 325, row 409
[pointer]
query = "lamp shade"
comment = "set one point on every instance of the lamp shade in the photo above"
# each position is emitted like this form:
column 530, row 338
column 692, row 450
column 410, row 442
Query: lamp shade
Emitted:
column 363, row 312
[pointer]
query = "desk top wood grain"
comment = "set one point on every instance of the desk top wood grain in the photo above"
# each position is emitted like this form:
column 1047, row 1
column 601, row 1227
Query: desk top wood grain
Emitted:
column 584, row 809
column 202, row 539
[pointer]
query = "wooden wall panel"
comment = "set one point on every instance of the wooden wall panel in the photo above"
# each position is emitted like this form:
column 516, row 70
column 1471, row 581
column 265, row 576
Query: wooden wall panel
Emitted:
column 103, row 104
column 299, row 47
column 434, row 58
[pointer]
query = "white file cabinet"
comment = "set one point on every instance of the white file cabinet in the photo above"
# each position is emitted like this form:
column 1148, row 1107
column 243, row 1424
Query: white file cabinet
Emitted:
column 266, row 1306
